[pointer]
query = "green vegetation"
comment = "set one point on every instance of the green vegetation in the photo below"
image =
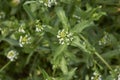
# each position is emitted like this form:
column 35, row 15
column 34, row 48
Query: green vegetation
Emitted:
column 59, row 40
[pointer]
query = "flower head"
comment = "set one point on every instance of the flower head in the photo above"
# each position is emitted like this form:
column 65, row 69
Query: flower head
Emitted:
column 96, row 76
column 2, row 15
column 119, row 76
column 64, row 37
column 48, row 3
column 21, row 29
column 12, row 55
column 24, row 40
column 38, row 26
column 106, row 39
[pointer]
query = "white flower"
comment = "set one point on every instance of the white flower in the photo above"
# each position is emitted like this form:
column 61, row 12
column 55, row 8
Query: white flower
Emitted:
column 48, row 3
column 38, row 29
column 2, row 15
column 24, row 40
column 96, row 76
column 117, row 71
column 92, row 78
column 105, row 39
column 38, row 26
column 94, row 73
column 77, row 17
column 12, row 55
column 64, row 37
column 119, row 77
column 40, row 1
column 21, row 29
column 100, row 77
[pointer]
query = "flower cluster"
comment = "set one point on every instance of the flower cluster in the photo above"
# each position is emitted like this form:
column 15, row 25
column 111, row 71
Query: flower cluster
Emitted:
column 2, row 15
column 96, row 76
column 24, row 40
column 105, row 39
column 48, row 3
column 119, row 76
column 117, row 71
column 64, row 37
column 21, row 29
column 4, row 31
column 39, row 27
column 12, row 55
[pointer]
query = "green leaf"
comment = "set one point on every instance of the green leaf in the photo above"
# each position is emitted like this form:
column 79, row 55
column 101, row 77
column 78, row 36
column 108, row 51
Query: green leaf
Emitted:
column 91, row 14
column 71, row 73
column 107, row 2
column 59, row 50
column 1, row 38
column 67, row 1
column 61, row 15
column 111, row 53
column 11, row 41
column 76, row 42
column 81, row 26
column 45, row 75
column 71, row 56
column 27, row 9
column 58, row 55
column 51, row 30
column 29, row 57
column 63, row 66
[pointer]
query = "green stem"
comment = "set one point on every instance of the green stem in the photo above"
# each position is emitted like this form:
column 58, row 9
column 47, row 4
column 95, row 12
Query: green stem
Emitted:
column 5, row 66
column 97, row 54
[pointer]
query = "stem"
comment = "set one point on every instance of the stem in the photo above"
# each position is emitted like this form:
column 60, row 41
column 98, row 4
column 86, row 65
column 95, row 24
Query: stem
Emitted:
column 5, row 66
column 97, row 54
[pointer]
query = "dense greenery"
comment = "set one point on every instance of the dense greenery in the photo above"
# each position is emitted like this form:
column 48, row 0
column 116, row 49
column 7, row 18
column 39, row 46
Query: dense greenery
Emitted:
column 59, row 40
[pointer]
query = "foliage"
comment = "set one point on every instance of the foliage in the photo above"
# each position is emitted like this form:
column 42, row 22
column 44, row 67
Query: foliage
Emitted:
column 59, row 40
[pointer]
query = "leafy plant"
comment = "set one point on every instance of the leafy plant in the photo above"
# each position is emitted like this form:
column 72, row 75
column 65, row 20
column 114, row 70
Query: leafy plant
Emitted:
column 59, row 40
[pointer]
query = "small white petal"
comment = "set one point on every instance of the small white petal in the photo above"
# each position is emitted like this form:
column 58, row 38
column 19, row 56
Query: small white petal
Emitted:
column 20, row 45
column 92, row 78
column 94, row 72
column 62, row 43
column 67, row 40
column 68, row 43
column 12, row 55
column 45, row 4
column 58, row 36
column 41, row 1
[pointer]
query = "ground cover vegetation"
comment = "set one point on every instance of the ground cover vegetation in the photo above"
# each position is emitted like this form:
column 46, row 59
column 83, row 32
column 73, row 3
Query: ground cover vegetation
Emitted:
column 59, row 40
